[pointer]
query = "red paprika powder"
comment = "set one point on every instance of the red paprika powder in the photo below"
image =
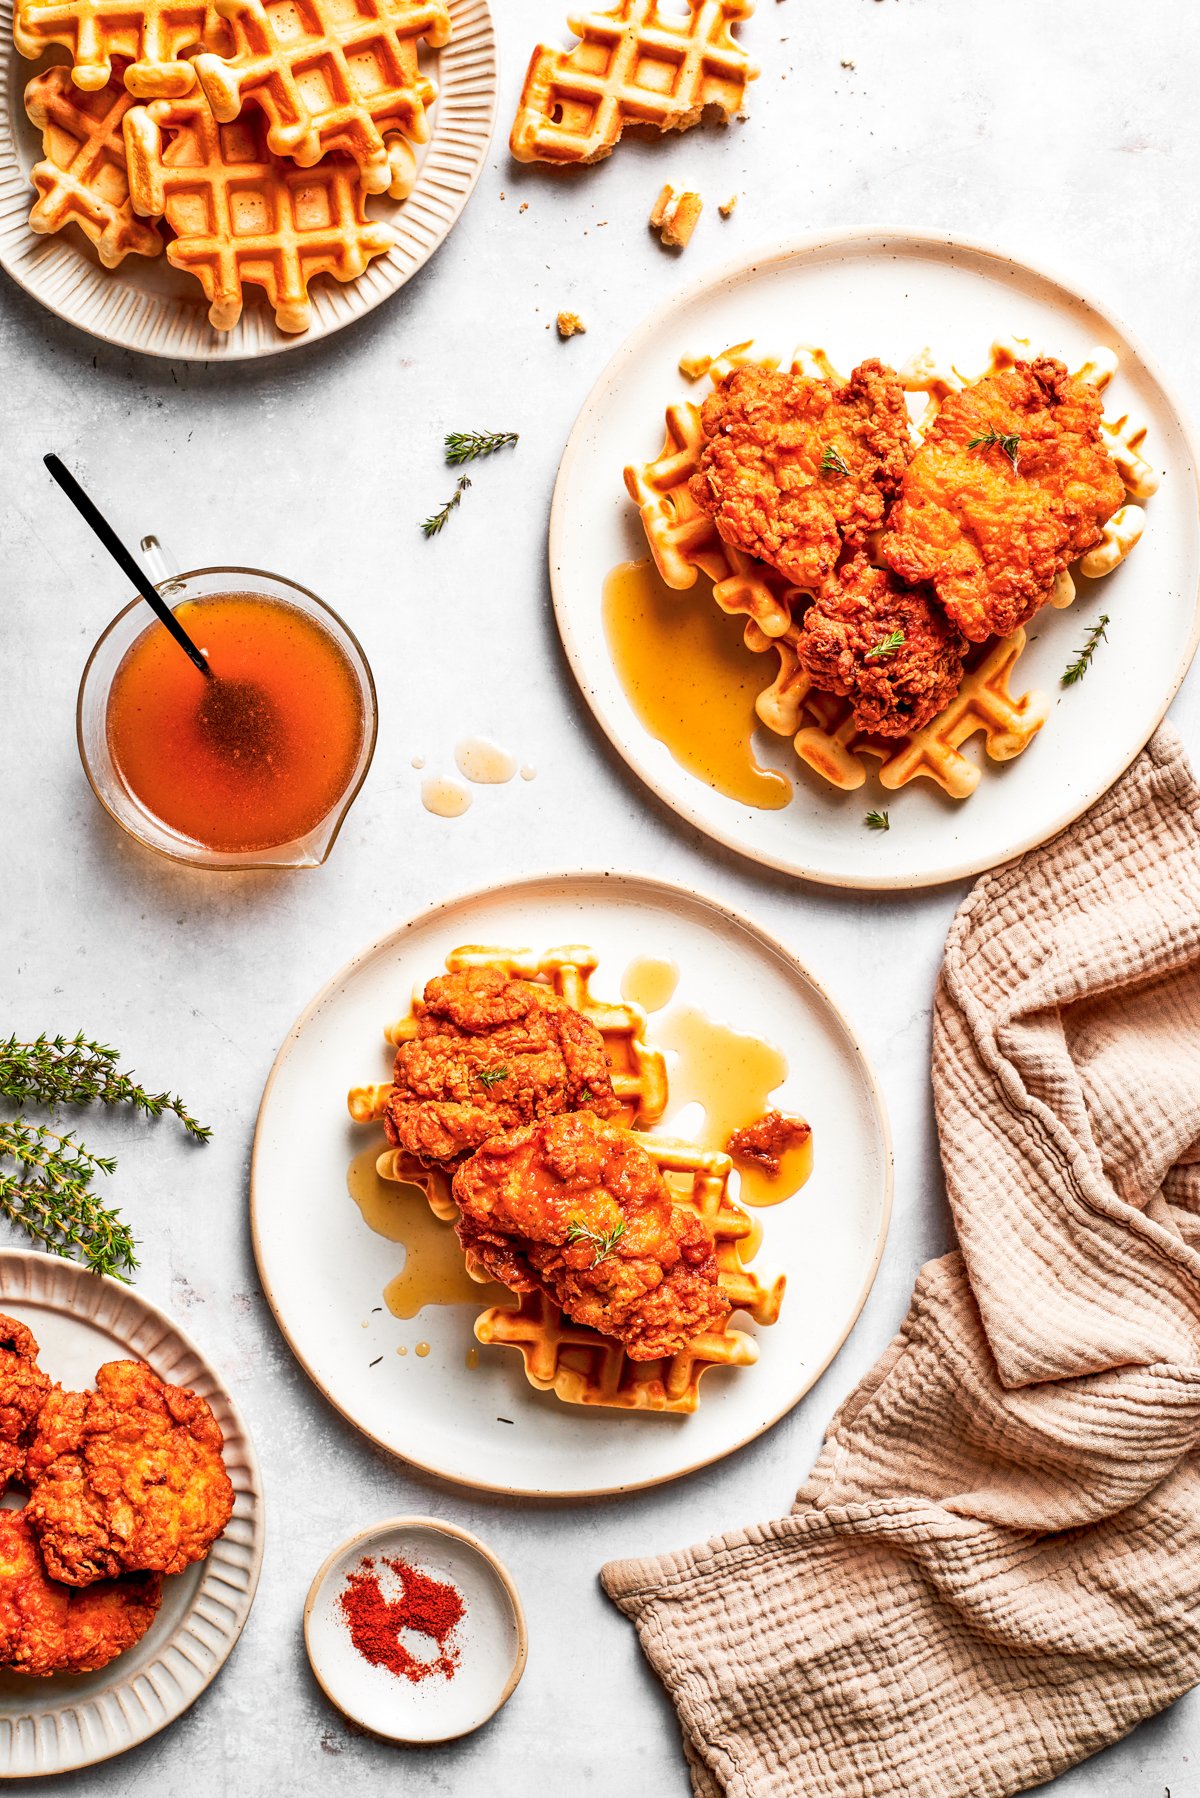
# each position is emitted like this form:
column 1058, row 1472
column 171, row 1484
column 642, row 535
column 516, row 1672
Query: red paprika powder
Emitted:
column 426, row 1607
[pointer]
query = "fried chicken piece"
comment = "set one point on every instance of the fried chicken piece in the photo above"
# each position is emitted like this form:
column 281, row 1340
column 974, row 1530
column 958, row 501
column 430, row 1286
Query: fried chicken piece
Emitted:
column 888, row 649
column 49, row 1628
column 765, row 1142
column 23, row 1390
column 990, row 536
column 490, row 1054
column 126, row 1479
column 575, row 1206
column 794, row 469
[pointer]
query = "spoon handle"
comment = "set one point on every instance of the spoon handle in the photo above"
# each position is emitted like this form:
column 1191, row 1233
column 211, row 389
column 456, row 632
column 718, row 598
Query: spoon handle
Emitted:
column 132, row 570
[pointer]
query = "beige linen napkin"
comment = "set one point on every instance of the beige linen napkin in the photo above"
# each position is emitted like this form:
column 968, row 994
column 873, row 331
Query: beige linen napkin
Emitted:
column 994, row 1568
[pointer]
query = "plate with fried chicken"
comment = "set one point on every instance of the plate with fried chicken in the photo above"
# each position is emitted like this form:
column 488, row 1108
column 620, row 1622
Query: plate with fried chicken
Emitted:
column 877, row 557
column 570, row 1186
column 130, row 1518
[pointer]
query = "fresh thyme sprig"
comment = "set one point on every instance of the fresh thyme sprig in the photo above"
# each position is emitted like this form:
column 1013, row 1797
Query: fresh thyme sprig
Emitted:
column 464, row 446
column 993, row 439
column 833, row 461
column 878, row 821
column 603, row 1241
column 886, row 647
column 1083, row 661
column 490, row 1077
column 45, row 1188
column 437, row 520
column 61, row 1070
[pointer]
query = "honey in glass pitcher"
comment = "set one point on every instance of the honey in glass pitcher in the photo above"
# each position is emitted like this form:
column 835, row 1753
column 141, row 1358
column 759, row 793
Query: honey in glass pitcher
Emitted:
column 258, row 755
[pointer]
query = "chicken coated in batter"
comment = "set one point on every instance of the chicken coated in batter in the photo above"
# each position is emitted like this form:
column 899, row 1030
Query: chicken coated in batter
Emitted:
column 23, row 1391
column 1011, row 484
column 575, row 1206
column 49, row 1628
column 794, row 470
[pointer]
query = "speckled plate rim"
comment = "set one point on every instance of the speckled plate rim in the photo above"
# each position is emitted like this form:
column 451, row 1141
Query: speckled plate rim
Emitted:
column 664, row 889
column 132, row 1707
column 64, row 275
column 435, row 1527
column 732, row 271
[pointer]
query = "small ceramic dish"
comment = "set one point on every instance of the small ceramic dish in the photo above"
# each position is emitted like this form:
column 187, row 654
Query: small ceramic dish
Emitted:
column 487, row 1648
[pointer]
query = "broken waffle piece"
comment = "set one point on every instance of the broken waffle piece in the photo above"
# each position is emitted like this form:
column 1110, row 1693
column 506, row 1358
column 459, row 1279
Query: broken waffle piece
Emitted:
column 728, row 207
column 570, row 325
column 631, row 66
column 82, row 178
column 675, row 216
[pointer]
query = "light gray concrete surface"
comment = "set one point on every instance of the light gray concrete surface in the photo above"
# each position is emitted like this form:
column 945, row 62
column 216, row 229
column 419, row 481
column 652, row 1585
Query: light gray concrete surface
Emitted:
column 1066, row 134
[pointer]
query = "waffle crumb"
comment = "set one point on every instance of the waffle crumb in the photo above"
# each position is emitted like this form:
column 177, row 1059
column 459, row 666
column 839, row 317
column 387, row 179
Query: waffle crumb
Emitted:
column 570, row 325
column 728, row 206
column 675, row 216
column 694, row 368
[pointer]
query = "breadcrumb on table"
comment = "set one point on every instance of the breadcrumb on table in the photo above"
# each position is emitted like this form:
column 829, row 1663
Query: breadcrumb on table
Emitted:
column 570, row 325
column 675, row 216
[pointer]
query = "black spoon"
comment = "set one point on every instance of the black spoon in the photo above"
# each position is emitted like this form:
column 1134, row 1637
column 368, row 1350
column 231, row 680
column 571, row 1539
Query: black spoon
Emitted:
column 125, row 562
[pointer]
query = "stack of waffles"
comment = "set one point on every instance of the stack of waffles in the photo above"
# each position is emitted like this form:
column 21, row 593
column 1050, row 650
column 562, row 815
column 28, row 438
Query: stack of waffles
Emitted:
column 252, row 130
column 686, row 546
column 577, row 1364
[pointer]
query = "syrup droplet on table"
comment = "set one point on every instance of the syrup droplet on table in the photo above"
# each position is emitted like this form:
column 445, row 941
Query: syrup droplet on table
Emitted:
column 529, row 772
column 650, row 981
column 484, row 763
column 691, row 680
column 443, row 797
column 422, row 1349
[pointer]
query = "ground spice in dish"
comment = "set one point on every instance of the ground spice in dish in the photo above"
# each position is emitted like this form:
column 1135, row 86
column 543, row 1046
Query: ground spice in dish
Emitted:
column 426, row 1607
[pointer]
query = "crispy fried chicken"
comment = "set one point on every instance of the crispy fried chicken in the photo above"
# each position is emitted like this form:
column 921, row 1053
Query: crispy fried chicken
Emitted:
column 765, row 1142
column 575, row 1206
column 887, row 648
column 125, row 1479
column 490, row 1054
column 49, row 1628
column 1011, row 483
column 23, row 1390
column 796, row 469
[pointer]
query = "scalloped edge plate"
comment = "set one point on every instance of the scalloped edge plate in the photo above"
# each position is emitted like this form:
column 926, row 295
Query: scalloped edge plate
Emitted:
column 149, row 307
column 50, row 1726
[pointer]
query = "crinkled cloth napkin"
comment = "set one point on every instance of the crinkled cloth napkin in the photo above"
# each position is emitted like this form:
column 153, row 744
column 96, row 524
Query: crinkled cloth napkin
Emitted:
column 994, row 1568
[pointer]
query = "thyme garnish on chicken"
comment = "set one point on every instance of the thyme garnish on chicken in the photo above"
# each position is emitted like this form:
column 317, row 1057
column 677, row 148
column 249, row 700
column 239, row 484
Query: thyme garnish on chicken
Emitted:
column 465, row 446
column 490, row 1077
column 45, row 1175
column 887, row 647
column 1083, row 661
column 833, row 462
column 437, row 520
column 603, row 1241
column 994, row 439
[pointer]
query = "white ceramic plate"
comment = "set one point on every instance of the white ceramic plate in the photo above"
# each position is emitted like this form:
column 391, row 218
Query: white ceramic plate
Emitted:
column 888, row 294
column 490, row 1642
column 149, row 306
column 52, row 1725
column 324, row 1271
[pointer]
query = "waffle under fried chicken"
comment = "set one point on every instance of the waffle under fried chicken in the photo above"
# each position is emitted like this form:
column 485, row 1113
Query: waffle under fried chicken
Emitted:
column 794, row 469
column 575, row 1207
column 1011, row 483
column 125, row 1479
column 491, row 1053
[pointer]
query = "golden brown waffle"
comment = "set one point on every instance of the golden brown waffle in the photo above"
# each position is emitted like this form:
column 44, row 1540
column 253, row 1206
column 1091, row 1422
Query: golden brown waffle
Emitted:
column 639, row 1074
column 581, row 1367
column 242, row 216
column 82, row 179
column 331, row 76
column 631, row 66
column 150, row 35
column 685, row 543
